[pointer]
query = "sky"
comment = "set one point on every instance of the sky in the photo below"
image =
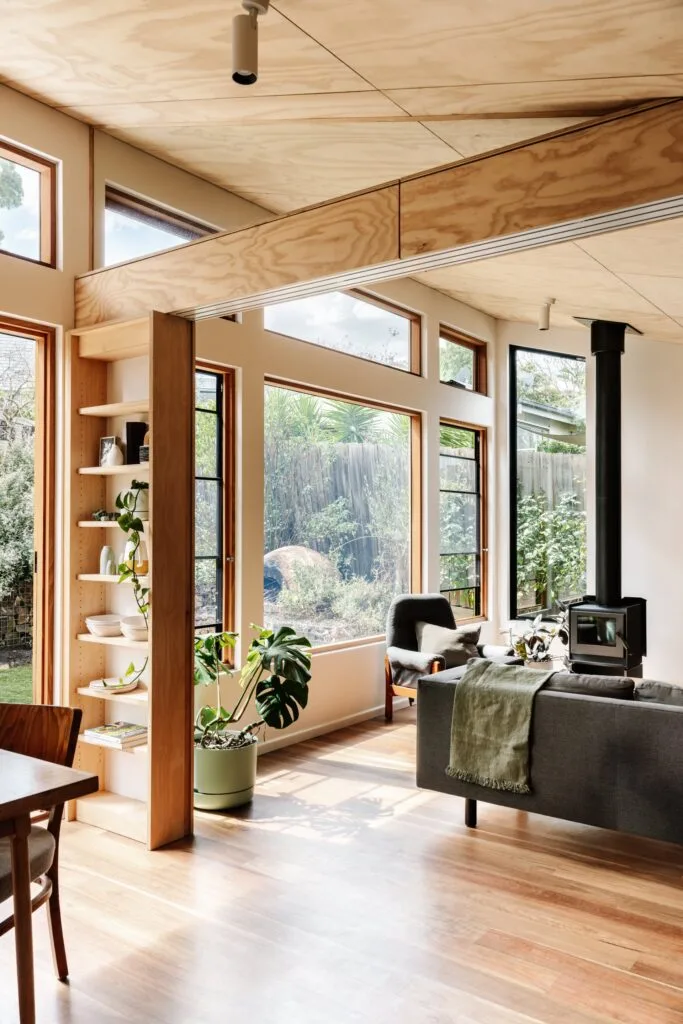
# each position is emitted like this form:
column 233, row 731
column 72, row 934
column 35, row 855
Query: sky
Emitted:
column 21, row 226
column 341, row 322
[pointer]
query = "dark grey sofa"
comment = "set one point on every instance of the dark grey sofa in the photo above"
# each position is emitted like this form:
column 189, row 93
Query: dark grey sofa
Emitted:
column 612, row 762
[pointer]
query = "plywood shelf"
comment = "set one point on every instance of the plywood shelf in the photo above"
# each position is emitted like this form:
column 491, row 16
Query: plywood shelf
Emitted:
column 96, row 577
column 132, row 469
column 114, row 813
column 138, row 696
column 114, row 641
column 142, row 748
column 111, row 342
column 106, row 524
column 116, row 409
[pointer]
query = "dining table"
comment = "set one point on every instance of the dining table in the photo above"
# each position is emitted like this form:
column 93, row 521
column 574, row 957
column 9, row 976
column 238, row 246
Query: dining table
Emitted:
column 28, row 784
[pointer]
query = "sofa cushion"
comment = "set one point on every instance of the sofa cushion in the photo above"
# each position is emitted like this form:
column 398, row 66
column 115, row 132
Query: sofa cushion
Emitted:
column 592, row 686
column 659, row 693
column 455, row 646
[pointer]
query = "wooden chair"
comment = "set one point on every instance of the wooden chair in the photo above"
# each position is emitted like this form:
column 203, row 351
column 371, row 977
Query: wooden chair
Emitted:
column 49, row 733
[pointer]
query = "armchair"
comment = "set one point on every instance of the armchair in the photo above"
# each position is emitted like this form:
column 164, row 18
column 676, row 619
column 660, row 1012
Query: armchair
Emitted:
column 404, row 663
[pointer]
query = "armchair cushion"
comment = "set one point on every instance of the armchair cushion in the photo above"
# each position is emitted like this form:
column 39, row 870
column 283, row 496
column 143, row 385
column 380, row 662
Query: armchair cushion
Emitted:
column 407, row 610
column 407, row 666
column 456, row 646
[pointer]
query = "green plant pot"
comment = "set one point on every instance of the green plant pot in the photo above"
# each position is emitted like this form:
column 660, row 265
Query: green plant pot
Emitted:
column 224, row 778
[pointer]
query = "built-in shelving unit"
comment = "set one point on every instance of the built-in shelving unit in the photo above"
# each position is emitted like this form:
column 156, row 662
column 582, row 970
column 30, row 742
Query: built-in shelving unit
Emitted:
column 136, row 370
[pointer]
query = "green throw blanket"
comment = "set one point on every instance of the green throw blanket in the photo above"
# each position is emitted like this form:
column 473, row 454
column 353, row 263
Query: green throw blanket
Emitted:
column 492, row 723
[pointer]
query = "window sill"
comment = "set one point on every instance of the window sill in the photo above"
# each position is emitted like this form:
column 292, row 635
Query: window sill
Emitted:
column 345, row 645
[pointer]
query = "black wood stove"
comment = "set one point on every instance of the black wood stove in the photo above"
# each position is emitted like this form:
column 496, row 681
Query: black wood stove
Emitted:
column 607, row 632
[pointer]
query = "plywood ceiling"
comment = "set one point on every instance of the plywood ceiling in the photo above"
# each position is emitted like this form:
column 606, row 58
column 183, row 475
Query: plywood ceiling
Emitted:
column 595, row 277
column 351, row 93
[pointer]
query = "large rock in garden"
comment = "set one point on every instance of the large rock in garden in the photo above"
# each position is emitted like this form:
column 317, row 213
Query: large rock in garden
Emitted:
column 279, row 567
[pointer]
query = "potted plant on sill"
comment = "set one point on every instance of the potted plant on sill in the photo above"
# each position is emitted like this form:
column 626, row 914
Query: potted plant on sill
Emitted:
column 276, row 673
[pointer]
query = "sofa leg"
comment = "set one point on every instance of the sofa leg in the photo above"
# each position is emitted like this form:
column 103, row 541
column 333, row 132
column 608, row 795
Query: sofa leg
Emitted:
column 470, row 813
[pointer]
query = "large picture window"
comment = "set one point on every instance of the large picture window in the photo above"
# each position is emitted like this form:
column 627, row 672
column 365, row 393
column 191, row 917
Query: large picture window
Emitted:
column 339, row 485
column 27, row 205
column 213, row 513
column 462, row 517
column 352, row 322
column 548, row 480
column 135, row 227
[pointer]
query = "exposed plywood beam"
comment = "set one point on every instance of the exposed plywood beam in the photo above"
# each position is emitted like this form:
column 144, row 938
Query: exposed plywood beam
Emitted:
column 607, row 165
column 524, row 196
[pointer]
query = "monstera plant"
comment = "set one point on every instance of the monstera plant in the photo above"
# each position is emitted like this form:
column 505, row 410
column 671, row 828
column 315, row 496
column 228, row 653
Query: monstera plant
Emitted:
column 275, row 676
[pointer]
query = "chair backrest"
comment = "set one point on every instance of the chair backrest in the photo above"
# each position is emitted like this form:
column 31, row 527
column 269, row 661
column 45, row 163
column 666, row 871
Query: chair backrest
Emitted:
column 40, row 730
column 408, row 609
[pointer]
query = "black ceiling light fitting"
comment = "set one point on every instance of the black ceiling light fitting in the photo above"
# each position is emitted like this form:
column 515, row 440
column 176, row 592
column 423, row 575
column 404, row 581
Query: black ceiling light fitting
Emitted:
column 245, row 42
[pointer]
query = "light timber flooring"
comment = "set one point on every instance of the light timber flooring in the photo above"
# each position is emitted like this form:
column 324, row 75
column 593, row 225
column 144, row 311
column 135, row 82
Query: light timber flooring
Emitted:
column 347, row 895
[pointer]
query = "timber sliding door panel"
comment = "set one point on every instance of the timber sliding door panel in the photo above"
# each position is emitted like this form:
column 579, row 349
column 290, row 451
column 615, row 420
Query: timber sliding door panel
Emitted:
column 172, row 578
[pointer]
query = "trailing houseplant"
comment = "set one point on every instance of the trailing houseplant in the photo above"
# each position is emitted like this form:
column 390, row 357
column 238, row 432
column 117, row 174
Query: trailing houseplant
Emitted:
column 533, row 645
column 275, row 674
column 128, row 519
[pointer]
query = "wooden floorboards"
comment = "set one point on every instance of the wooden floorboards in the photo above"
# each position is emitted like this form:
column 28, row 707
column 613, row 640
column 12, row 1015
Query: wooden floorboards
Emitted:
column 344, row 895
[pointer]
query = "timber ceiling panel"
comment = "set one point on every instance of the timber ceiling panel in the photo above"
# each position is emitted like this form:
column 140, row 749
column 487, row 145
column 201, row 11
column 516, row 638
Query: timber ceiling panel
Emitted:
column 601, row 276
column 380, row 88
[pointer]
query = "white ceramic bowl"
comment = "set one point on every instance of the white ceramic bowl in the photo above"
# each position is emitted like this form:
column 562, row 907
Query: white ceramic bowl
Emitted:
column 133, row 627
column 104, row 625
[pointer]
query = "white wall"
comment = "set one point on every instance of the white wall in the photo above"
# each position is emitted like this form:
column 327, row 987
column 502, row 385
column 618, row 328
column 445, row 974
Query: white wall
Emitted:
column 131, row 169
column 652, row 486
column 348, row 684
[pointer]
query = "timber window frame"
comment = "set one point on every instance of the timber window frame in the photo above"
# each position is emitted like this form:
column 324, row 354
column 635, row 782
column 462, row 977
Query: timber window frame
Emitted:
column 415, row 527
column 47, row 169
column 479, row 350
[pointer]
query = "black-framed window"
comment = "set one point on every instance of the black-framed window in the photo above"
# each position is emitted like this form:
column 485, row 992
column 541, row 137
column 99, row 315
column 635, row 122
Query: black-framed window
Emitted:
column 210, row 613
column 462, row 524
column 547, row 480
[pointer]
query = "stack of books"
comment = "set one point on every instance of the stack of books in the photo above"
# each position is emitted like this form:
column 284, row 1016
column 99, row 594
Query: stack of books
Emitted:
column 118, row 735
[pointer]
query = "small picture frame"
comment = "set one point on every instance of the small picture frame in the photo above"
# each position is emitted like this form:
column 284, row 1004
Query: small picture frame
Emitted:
column 106, row 444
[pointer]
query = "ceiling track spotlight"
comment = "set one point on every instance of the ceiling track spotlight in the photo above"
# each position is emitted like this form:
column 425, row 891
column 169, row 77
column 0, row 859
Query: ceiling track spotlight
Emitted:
column 544, row 315
column 245, row 42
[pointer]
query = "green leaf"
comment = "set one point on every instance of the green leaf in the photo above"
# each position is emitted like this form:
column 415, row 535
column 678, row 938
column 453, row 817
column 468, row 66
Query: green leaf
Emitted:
column 278, row 700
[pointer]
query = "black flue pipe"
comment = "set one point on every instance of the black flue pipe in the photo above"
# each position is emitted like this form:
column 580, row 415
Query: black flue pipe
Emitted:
column 607, row 345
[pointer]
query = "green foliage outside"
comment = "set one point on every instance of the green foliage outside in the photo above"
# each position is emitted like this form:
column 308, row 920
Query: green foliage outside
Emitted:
column 551, row 531
column 16, row 685
column 456, row 363
column 11, row 188
column 337, row 481
column 16, row 517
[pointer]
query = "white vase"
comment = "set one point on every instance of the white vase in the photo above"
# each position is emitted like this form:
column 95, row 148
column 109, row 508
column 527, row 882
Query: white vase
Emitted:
column 107, row 561
column 114, row 456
